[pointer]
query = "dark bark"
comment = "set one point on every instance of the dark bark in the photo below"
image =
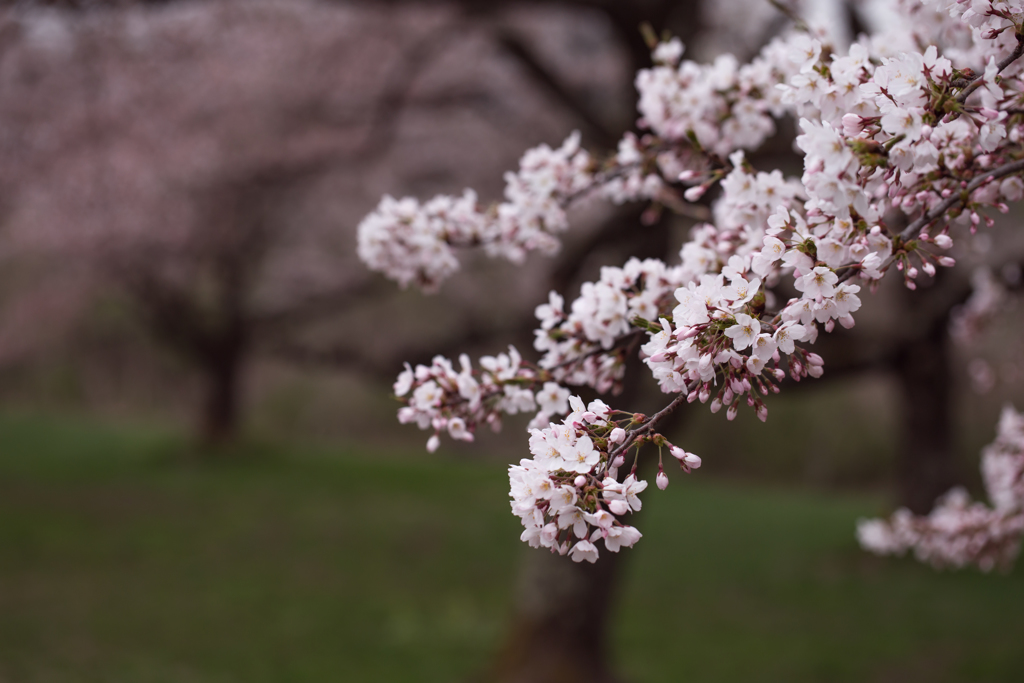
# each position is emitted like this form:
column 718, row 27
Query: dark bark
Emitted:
column 221, row 402
column 559, row 633
column 924, row 468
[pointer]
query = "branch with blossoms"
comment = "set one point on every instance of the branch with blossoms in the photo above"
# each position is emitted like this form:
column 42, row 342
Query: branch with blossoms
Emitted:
column 890, row 138
column 959, row 532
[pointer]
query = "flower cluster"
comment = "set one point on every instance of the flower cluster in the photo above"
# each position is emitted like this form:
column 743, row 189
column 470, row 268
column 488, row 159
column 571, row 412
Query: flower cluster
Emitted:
column 414, row 243
column 583, row 347
column 568, row 495
column 958, row 532
column 439, row 398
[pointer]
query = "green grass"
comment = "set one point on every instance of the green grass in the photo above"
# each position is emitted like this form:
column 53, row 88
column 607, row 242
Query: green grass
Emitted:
column 123, row 560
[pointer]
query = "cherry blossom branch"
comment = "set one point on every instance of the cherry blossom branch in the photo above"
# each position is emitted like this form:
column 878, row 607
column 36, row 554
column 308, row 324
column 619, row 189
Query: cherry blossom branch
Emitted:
column 648, row 425
column 963, row 197
column 978, row 81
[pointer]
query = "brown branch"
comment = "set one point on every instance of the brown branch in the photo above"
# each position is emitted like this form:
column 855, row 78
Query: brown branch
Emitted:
column 553, row 85
column 647, row 426
column 1005, row 62
column 964, row 196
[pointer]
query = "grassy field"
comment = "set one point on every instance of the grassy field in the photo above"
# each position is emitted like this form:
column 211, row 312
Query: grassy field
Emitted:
column 121, row 559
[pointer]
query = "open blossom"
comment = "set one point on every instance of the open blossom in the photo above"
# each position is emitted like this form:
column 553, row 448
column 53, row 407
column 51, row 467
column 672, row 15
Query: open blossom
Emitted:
column 744, row 332
column 818, row 282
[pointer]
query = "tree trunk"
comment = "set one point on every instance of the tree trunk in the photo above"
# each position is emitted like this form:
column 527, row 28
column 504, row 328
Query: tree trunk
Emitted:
column 925, row 462
column 219, row 419
column 559, row 632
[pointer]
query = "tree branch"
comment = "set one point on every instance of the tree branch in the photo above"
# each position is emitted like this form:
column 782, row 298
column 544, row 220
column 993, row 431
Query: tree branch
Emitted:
column 964, row 196
column 1005, row 62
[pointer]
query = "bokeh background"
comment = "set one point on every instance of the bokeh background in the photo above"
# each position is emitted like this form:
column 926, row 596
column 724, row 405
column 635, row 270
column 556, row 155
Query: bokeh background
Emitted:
column 201, row 474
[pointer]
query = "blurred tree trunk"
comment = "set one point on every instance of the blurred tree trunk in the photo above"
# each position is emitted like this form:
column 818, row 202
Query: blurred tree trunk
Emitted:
column 923, row 369
column 559, row 633
column 222, row 394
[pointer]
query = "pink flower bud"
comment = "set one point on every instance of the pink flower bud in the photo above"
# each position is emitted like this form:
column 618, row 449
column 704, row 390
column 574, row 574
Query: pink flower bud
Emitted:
column 928, row 268
column 677, row 452
column 619, row 461
column 731, row 413
column 692, row 460
column 433, row 443
column 815, row 359
column 716, row 405
column 580, row 481
column 912, row 272
column 762, row 412
column 694, row 193
column 662, row 481
column 943, row 241
column 618, row 507
column 618, row 435
column 852, row 125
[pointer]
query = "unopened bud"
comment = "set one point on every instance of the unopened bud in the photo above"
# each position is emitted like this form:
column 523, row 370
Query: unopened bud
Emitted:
column 762, row 412
column 662, row 481
column 694, row 193
column 618, row 435
column 433, row 443
column 716, row 405
column 618, row 507
column 731, row 413
column 943, row 241
column 619, row 461
column 692, row 460
column 580, row 481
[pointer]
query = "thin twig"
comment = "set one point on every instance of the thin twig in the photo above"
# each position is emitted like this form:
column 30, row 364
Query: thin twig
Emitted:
column 647, row 426
column 1007, row 61
column 962, row 196
column 945, row 205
